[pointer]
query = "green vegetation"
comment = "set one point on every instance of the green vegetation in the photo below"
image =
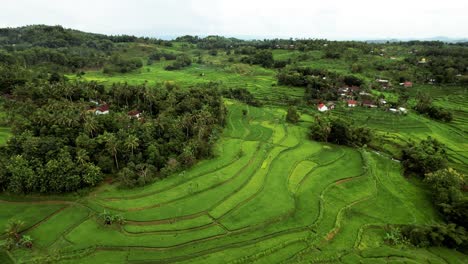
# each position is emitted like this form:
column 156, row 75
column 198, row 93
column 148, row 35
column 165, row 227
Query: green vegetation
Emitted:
column 177, row 173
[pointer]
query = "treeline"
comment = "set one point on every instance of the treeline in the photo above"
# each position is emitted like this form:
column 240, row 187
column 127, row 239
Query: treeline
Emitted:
column 339, row 131
column 318, row 83
column 428, row 160
column 59, row 37
column 59, row 49
column 445, row 63
column 61, row 143
column 118, row 64
column 425, row 106
column 181, row 61
column 243, row 95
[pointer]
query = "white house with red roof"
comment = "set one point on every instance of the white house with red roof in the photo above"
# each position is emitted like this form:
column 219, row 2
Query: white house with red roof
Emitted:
column 102, row 110
column 352, row 103
column 322, row 107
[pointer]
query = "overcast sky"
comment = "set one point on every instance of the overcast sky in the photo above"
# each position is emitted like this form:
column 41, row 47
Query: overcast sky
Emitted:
column 332, row 19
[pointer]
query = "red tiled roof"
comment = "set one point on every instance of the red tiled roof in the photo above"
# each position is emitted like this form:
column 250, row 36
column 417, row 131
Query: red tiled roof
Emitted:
column 103, row 108
column 321, row 105
column 352, row 102
column 408, row 84
column 134, row 113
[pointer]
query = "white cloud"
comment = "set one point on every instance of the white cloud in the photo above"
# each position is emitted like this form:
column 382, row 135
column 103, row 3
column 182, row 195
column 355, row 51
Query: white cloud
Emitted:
column 336, row 19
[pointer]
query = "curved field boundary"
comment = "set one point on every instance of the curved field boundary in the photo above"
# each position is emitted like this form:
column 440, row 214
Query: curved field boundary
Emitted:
column 262, row 185
column 250, row 161
column 175, row 184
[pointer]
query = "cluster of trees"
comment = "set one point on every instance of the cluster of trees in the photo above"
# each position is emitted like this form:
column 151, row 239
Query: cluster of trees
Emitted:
column 424, row 106
column 444, row 62
column 439, row 235
column 243, row 95
column 261, row 57
column 448, row 194
column 423, row 157
column 292, row 116
column 447, row 235
column 59, row 49
column 109, row 218
column 339, row 131
column 319, row 83
column 60, row 144
column 428, row 159
column 182, row 60
column 118, row 64
column 158, row 55
column 11, row 76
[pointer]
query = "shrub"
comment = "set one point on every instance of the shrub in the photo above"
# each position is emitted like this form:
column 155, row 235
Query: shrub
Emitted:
column 424, row 157
column 292, row 116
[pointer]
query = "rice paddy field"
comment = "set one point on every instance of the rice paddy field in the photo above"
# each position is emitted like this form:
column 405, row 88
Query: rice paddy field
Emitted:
column 270, row 195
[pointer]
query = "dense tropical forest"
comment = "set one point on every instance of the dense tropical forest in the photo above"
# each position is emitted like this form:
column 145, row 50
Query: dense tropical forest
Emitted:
column 210, row 149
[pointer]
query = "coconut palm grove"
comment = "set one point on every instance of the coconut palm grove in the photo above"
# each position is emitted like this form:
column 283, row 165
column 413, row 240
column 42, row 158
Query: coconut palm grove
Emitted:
column 125, row 149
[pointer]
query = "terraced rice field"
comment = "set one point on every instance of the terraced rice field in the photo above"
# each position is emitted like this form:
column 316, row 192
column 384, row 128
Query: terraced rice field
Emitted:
column 269, row 196
column 401, row 129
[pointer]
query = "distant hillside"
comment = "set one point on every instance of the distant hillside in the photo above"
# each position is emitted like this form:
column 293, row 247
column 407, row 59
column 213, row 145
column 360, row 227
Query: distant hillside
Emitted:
column 59, row 37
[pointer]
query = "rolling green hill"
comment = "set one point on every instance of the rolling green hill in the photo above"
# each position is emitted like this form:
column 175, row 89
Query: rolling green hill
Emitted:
column 269, row 194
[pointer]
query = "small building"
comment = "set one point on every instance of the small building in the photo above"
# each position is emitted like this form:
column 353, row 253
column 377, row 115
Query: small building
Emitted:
column 423, row 60
column 383, row 82
column 322, row 107
column 408, row 84
column 134, row 114
column 331, row 105
column 369, row 104
column 402, row 110
column 354, row 88
column 382, row 101
column 393, row 110
column 352, row 103
column 102, row 110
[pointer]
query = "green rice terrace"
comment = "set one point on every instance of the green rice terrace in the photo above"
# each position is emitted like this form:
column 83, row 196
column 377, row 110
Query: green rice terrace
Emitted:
column 269, row 190
column 269, row 195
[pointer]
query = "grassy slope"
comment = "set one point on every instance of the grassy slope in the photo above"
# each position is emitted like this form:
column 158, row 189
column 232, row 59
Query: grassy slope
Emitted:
column 269, row 195
column 285, row 198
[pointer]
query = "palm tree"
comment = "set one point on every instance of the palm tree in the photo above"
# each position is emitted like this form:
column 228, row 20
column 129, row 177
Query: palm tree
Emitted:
column 131, row 142
column 82, row 156
column 90, row 124
column 13, row 229
column 112, row 146
column 111, row 143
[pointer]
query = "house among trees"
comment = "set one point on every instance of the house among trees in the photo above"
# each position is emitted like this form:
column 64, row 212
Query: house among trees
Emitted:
column 384, row 83
column 343, row 91
column 134, row 114
column 406, row 84
column 102, row 110
column 352, row 103
column 322, row 107
column 369, row 104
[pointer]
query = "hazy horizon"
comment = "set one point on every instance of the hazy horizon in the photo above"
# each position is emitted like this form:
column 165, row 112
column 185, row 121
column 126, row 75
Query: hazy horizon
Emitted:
column 334, row 20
